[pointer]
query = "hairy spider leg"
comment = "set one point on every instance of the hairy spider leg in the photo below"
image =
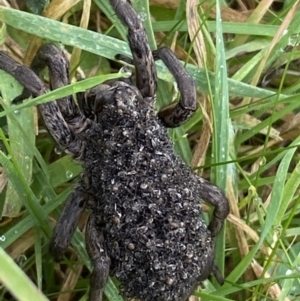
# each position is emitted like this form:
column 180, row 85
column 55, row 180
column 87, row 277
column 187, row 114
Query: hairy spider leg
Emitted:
column 101, row 262
column 173, row 116
column 143, row 60
column 65, row 137
column 60, row 130
column 50, row 111
column 23, row 74
column 54, row 59
column 215, row 197
column 68, row 219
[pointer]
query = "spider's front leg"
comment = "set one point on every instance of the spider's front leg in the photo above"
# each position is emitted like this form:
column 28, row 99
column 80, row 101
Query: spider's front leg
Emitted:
column 173, row 116
column 142, row 56
column 63, row 133
column 55, row 60
column 143, row 60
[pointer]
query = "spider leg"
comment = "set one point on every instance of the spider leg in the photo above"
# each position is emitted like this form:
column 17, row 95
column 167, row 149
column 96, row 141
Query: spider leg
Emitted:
column 214, row 196
column 142, row 56
column 218, row 275
column 53, row 118
column 23, row 74
column 68, row 220
column 54, row 58
column 176, row 115
column 100, row 260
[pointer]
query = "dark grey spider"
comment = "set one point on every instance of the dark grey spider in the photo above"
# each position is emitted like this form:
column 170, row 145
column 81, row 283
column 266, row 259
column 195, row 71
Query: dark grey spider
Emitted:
column 144, row 227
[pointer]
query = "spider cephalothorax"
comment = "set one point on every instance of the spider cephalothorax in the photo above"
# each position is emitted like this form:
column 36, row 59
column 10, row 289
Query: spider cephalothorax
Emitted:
column 145, row 226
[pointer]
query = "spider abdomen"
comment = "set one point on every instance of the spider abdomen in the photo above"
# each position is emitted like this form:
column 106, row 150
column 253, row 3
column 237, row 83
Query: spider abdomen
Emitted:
column 146, row 202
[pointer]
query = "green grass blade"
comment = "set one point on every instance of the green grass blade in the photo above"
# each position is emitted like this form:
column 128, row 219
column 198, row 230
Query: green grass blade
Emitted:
column 18, row 143
column 221, row 109
column 222, row 125
column 106, row 8
column 16, row 278
column 23, row 190
column 264, row 30
column 142, row 9
column 273, row 210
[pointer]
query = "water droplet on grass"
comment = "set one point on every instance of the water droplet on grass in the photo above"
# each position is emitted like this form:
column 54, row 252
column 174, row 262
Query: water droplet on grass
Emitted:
column 127, row 70
column 69, row 174
column 142, row 16
column 57, row 150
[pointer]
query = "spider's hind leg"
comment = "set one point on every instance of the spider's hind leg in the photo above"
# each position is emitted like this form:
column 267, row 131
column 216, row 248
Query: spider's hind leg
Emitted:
column 215, row 197
column 96, row 249
column 68, row 220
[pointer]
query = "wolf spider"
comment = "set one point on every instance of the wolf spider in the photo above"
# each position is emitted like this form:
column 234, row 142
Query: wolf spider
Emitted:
column 144, row 225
